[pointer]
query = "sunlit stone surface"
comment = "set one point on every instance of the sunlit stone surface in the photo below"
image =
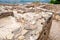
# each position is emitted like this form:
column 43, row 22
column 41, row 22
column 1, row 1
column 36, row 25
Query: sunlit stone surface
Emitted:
column 25, row 25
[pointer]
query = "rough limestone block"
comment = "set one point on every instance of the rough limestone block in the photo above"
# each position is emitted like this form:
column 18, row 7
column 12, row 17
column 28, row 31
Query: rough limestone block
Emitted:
column 21, row 38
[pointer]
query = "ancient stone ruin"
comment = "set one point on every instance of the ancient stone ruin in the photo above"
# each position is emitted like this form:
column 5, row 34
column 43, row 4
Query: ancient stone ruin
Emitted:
column 24, row 23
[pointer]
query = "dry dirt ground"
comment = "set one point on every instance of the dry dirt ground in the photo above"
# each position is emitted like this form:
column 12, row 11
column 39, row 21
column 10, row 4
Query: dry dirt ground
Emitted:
column 55, row 30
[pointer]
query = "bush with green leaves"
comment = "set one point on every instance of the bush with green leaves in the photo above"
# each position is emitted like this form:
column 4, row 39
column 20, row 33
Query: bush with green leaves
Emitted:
column 55, row 1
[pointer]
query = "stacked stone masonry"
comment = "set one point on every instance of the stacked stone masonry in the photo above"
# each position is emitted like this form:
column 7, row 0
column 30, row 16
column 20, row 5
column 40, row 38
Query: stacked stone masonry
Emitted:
column 24, row 22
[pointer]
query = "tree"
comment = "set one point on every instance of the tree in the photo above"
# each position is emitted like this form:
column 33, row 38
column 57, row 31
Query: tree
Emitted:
column 55, row 1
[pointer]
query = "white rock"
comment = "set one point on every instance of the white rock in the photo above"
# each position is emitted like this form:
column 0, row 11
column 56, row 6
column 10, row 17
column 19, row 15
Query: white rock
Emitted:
column 32, row 38
column 33, row 22
column 10, row 36
column 21, row 38
column 50, row 13
column 57, row 17
column 24, row 32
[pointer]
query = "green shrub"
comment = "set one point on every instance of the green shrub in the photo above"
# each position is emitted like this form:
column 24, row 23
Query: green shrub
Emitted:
column 55, row 1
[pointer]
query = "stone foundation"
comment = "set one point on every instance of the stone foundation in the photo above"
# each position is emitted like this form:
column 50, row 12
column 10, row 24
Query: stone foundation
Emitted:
column 24, row 23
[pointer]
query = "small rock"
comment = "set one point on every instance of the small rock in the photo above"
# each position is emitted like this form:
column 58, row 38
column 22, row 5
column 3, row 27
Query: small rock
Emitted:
column 33, row 22
column 31, row 8
column 50, row 13
column 33, row 27
column 57, row 17
column 30, row 27
column 22, row 20
column 32, row 38
column 20, row 11
column 21, row 38
column 10, row 36
column 24, row 32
